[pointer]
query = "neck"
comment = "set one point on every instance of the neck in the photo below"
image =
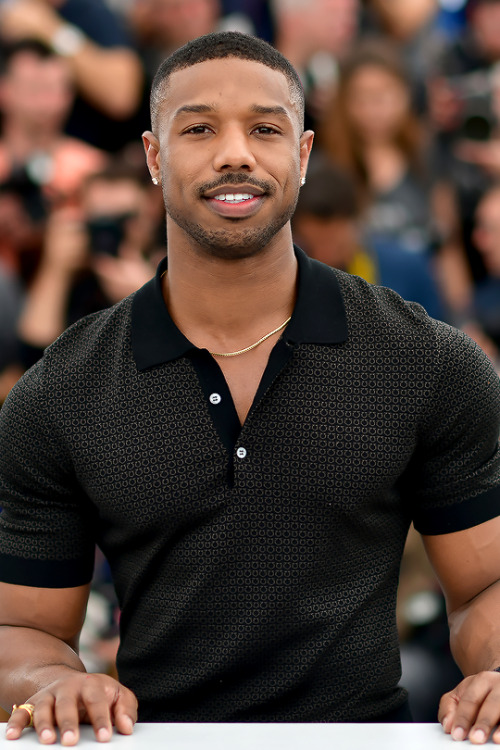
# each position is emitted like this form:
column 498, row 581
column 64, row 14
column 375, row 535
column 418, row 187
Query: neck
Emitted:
column 224, row 305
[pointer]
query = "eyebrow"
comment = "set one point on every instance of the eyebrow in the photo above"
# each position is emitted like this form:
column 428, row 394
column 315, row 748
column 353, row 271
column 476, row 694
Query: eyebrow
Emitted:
column 196, row 109
column 259, row 109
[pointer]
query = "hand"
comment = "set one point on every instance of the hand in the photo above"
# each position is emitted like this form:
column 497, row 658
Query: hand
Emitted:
column 472, row 709
column 34, row 19
column 121, row 276
column 484, row 154
column 66, row 242
column 78, row 699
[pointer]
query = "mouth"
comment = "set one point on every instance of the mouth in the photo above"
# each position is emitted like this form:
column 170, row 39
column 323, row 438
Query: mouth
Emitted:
column 231, row 202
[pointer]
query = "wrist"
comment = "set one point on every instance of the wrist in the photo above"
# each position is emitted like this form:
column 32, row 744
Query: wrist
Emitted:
column 67, row 40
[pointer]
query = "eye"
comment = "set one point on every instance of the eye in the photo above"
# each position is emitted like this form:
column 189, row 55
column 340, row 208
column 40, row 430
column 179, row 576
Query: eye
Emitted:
column 266, row 130
column 197, row 130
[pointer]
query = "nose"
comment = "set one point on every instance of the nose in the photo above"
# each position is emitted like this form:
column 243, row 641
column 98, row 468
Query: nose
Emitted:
column 233, row 150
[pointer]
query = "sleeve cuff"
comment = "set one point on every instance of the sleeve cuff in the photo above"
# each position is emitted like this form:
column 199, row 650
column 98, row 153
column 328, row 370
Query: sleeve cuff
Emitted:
column 471, row 512
column 47, row 574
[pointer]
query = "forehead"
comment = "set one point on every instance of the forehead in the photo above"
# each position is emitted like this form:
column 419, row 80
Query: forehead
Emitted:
column 227, row 84
column 28, row 64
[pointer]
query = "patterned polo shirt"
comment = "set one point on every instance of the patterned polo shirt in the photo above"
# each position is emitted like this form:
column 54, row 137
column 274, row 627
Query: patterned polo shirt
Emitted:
column 256, row 567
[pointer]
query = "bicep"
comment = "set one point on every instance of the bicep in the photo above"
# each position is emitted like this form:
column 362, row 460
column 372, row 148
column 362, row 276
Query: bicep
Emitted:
column 59, row 612
column 466, row 562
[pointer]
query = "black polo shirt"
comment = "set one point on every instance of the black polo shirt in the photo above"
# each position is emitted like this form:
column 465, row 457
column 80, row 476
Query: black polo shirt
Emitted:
column 256, row 567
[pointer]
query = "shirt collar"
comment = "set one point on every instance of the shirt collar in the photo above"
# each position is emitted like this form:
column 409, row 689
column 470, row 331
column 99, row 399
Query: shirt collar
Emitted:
column 319, row 316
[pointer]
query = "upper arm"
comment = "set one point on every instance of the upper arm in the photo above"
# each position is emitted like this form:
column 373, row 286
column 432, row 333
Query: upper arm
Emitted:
column 466, row 562
column 59, row 612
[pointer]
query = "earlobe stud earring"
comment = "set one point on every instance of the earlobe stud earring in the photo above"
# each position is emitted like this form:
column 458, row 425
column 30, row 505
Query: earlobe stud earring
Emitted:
column 302, row 181
column 155, row 181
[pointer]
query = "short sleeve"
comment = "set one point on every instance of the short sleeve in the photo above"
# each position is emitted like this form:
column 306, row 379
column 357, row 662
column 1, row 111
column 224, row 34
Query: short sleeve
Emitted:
column 45, row 521
column 453, row 481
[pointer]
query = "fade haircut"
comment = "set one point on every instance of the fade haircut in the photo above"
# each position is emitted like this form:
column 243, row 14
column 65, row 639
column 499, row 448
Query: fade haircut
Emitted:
column 221, row 45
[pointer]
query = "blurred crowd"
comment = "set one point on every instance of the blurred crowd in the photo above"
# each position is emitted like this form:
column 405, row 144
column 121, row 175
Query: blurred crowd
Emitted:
column 403, row 188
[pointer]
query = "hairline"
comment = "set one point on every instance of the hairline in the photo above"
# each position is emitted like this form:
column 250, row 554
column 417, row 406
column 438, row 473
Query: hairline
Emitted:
column 257, row 51
column 163, row 87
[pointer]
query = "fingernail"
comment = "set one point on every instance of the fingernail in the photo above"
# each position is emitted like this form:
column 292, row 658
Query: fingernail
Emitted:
column 444, row 723
column 10, row 733
column 46, row 735
column 458, row 734
column 68, row 737
column 103, row 734
column 478, row 736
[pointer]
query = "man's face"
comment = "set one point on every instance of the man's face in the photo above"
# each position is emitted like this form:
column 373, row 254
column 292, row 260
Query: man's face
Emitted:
column 230, row 156
column 37, row 91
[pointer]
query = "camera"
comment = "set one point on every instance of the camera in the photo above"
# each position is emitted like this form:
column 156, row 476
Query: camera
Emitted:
column 475, row 91
column 107, row 233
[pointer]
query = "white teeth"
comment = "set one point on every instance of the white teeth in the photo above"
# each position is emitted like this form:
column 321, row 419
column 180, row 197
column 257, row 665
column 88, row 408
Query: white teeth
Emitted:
column 233, row 197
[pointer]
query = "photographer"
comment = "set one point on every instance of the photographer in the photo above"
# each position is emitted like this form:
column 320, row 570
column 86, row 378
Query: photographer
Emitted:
column 93, row 256
column 463, row 106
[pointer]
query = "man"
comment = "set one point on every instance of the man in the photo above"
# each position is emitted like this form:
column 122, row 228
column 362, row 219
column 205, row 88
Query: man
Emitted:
column 106, row 69
column 247, row 437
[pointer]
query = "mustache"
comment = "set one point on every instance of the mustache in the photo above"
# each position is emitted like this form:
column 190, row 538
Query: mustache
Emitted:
column 236, row 178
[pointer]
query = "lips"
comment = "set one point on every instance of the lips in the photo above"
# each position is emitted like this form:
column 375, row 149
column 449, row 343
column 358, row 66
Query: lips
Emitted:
column 236, row 203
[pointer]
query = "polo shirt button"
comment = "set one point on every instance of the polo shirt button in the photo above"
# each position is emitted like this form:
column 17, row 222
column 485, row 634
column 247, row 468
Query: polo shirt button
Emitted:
column 241, row 452
column 215, row 398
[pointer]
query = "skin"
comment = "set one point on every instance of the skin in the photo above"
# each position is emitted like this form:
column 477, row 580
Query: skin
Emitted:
column 110, row 78
column 225, row 294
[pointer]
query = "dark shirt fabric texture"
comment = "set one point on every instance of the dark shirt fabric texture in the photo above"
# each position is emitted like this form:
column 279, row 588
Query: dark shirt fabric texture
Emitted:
column 256, row 567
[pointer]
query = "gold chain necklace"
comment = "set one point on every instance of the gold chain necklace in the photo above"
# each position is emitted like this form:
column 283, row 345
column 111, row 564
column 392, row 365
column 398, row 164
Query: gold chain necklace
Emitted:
column 252, row 346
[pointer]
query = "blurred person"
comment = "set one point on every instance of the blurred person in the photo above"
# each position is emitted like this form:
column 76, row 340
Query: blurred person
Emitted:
column 36, row 96
column 247, row 437
column 464, row 116
column 106, row 69
column 94, row 255
column 315, row 35
column 161, row 26
column 413, row 27
column 326, row 225
column 486, row 235
column 372, row 131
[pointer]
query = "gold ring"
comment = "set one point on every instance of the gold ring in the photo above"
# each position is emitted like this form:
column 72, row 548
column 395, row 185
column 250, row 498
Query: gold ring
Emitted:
column 29, row 707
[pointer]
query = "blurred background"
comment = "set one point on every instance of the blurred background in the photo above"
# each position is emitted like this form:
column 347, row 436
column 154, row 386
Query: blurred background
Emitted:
column 403, row 189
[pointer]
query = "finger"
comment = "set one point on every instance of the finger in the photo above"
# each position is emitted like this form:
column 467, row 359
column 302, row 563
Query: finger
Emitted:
column 447, row 710
column 487, row 718
column 470, row 701
column 19, row 720
column 45, row 722
column 67, row 718
column 125, row 712
column 97, row 704
column 496, row 736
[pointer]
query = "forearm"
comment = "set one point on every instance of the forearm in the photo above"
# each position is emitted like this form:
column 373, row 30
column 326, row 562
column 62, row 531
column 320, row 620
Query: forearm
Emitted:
column 475, row 632
column 44, row 316
column 110, row 78
column 29, row 660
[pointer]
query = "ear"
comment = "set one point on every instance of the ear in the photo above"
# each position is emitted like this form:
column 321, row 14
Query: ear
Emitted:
column 306, row 142
column 152, row 149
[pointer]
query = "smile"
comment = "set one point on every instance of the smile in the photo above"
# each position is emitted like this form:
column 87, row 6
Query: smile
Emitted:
column 233, row 197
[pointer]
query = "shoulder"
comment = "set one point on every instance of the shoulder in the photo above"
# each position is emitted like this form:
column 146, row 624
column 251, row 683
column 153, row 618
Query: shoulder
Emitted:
column 368, row 303
column 382, row 322
column 93, row 337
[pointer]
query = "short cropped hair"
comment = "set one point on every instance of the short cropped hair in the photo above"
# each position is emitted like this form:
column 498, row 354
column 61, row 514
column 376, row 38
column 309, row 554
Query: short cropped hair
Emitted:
column 220, row 45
